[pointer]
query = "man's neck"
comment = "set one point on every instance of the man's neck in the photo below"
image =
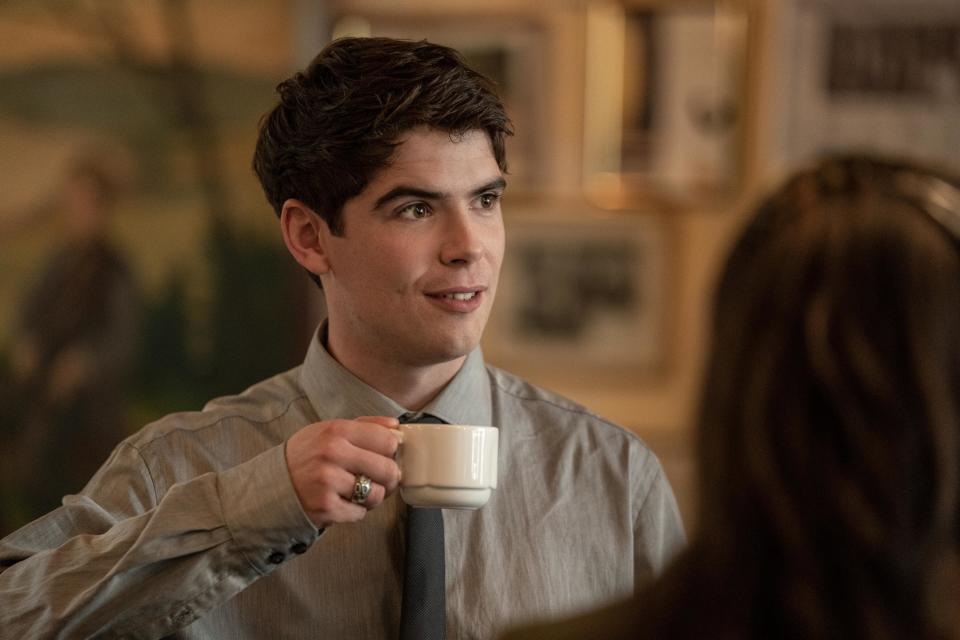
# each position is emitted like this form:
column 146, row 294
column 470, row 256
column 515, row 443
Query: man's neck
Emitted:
column 412, row 387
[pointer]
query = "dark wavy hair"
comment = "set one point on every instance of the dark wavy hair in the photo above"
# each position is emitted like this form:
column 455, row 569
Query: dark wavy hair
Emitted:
column 339, row 120
column 830, row 417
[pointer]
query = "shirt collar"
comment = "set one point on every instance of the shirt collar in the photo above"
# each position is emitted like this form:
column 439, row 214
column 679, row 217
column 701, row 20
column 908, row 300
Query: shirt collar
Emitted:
column 334, row 392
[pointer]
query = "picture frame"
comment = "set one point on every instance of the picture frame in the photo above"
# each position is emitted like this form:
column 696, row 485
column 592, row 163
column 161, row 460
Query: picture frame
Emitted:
column 665, row 98
column 586, row 289
column 879, row 77
column 133, row 232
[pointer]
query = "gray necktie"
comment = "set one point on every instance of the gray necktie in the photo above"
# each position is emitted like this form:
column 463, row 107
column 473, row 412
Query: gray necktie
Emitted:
column 423, row 614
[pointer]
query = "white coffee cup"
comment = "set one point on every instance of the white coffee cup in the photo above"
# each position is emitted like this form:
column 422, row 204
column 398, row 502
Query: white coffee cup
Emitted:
column 447, row 466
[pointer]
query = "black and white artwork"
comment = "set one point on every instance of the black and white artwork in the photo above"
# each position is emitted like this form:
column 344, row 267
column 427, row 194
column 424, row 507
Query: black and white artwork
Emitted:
column 588, row 289
column 567, row 286
column 891, row 60
column 872, row 75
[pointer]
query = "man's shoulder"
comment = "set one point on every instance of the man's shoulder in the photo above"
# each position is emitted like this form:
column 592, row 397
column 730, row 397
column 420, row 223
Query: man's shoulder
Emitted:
column 253, row 410
column 524, row 391
column 541, row 404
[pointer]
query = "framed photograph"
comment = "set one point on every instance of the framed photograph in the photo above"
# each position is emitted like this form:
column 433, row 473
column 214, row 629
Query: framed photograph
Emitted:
column 665, row 99
column 510, row 49
column 586, row 291
column 133, row 233
column 874, row 75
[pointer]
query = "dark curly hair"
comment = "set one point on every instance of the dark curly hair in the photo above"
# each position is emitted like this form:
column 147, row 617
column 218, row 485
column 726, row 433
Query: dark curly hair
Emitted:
column 339, row 120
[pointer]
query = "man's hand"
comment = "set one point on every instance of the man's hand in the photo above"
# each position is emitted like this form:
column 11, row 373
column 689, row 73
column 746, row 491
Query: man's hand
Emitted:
column 324, row 459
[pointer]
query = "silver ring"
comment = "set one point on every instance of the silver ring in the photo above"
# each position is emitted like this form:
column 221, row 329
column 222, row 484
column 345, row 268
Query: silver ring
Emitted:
column 361, row 489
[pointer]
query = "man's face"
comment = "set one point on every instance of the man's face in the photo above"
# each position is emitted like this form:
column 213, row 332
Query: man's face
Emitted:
column 412, row 279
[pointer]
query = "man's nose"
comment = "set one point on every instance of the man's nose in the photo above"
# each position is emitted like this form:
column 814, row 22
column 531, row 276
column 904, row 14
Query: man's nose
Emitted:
column 462, row 239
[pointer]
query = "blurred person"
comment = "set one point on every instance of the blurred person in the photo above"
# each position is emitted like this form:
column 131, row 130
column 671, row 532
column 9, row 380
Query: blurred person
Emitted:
column 274, row 513
column 73, row 348
column 828, row 425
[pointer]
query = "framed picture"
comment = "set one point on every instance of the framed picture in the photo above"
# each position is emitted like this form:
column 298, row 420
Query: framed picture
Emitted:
column 878, row 76
column 665, row 99
column 585, row 290
column 133, row 233
column 510, row 49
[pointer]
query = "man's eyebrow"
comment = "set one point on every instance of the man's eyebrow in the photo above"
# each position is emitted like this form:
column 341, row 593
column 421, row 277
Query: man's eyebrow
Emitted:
column 403, row 191
column 495, row 185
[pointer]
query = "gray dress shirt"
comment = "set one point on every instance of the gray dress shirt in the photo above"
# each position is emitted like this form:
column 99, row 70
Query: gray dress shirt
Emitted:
column 192, row 528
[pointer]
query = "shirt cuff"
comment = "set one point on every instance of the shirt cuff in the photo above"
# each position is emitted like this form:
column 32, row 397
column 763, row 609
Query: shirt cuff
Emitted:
column 262, row 511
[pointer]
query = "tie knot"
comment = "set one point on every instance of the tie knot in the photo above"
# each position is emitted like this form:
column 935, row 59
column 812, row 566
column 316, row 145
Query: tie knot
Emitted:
column 421, row 418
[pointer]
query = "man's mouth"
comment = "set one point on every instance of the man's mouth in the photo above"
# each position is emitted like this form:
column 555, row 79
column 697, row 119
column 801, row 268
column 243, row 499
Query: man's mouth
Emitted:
column 457, row 296
column 461, row 301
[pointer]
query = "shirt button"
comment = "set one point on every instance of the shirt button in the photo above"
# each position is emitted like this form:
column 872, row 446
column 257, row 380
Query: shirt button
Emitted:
column 275, row 558
column 298, row 548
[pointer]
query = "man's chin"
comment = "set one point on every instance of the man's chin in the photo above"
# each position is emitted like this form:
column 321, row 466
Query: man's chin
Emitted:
column 449, row 350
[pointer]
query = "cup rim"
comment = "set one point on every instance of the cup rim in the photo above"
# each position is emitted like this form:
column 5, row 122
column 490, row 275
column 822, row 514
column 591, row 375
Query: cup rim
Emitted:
column 434, row 425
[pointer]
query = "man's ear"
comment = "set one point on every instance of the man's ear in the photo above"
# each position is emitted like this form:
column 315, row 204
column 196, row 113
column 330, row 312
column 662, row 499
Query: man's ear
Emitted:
column 305, row 233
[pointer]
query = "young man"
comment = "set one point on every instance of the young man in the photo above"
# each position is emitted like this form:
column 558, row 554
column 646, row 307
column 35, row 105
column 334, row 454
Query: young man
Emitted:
column 274, row 513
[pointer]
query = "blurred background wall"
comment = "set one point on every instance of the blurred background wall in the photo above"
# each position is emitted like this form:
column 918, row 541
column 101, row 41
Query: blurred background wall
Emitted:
column 644, row 129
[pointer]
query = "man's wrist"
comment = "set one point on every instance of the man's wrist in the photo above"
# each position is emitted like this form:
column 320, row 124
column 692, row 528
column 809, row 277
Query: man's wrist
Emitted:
column 262, row 511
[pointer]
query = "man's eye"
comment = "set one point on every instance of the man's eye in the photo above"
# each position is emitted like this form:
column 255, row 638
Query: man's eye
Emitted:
column 415, row 211
column 488, row 200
